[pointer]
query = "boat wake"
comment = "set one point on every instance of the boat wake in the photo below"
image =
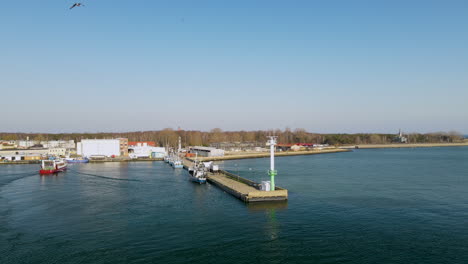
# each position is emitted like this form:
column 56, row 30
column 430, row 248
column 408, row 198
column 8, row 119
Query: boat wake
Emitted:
column 9, row 178
column 104, row 177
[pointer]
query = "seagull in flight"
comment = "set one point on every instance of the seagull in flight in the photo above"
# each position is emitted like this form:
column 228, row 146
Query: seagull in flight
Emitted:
column 76, row 5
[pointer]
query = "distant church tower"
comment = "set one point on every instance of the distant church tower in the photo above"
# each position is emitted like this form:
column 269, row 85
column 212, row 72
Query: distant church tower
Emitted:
column 401, row 138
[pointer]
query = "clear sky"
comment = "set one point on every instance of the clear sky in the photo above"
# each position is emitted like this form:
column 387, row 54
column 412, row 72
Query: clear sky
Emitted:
column 326, row 66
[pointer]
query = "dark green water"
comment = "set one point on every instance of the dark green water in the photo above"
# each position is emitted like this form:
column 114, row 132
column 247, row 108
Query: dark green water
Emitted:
column 368, row 206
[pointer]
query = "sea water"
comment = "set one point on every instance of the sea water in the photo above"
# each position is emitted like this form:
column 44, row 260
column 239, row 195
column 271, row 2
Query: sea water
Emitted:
column 365, row 206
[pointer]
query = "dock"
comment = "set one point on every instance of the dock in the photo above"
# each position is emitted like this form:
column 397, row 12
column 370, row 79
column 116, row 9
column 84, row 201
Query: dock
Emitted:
column 246, row 190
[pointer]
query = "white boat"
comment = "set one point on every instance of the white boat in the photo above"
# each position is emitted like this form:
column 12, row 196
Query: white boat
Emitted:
column 177, row 164
column 199, row 172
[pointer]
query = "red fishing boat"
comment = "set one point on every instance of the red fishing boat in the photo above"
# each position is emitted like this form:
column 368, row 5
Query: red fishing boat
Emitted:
column 52, row 166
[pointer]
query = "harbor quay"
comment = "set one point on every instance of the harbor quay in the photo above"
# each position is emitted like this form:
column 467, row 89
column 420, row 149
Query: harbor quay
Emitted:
column 244, row 189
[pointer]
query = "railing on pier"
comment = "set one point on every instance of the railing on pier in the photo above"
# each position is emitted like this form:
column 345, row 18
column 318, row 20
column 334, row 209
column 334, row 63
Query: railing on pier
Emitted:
column 240, row 179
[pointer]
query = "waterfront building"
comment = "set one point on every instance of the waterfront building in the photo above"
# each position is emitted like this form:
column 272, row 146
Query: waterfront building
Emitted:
column 21, row 154
column 13, row 152
column 207, row 151
column 26, row 143
column 141, row 143
column 283, row 147
column 123, row 146
column 68, row 144
column 57, row 152
column 103, row 147
column 297, row 147
column 32, row 157
column 237, row 146
column 7, row 145
column 146, row 151
column 11, row 158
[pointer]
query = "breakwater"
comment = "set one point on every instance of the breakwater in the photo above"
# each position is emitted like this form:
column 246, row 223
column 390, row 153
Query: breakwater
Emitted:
column 244, row 189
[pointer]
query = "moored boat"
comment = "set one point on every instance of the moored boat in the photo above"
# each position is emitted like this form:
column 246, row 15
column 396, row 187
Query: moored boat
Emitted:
column 198, row 176
column 52, row 166
column 198, row 173
column 77, row 160
column 177, row 164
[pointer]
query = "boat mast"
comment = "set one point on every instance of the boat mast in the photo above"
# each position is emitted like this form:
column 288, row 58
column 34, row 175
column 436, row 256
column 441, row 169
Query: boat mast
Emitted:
column 180, row 145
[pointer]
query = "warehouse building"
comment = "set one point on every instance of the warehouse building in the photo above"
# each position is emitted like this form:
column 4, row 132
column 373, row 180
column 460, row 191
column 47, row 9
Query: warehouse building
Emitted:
column 68, row 144
column 142, row 143
column 103, row 147
column 17, row 154
column 57, row 152
column 207, row 151
column 146, row 152
column 7, row 145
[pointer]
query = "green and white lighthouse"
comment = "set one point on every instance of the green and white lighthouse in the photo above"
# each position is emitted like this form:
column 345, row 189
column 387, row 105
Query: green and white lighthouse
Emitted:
column 272, row 172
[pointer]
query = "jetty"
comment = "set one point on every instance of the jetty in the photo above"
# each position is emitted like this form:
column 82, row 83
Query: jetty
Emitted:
column 244, row 189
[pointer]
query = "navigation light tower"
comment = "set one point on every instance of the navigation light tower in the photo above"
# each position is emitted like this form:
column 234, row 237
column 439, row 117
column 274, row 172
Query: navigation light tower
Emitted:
column 272, row 172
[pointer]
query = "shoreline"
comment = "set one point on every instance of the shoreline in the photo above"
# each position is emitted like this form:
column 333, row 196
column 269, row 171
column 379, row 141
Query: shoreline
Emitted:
column 256, row 155
column 26, row 162
column 277, row 154
column 402, row 145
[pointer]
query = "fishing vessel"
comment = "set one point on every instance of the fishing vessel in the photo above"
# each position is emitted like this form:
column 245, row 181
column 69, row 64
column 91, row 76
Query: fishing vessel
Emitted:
column 198, row 173
column 177, row 164
column 52, row 166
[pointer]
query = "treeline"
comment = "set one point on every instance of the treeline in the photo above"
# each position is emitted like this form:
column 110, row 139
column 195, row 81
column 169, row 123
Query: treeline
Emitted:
column 170, row 137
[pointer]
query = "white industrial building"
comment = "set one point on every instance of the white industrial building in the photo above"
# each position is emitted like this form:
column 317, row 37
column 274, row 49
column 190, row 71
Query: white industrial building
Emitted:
column 207, row 151
column 145, row 151
column 57, row 152
column 26, row 143
column 99, row 147
column 68, row 144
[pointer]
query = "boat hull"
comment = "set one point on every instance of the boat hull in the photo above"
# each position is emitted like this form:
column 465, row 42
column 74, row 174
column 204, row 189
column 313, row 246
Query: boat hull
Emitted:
column 198, row 180
column 45, row 172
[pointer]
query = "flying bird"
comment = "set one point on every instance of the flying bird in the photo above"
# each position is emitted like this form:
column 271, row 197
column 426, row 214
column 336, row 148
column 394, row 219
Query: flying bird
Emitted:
column 76, row 5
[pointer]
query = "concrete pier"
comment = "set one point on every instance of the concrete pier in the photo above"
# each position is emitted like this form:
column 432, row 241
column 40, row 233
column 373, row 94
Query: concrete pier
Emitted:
column 241, row 188
column 244, row 189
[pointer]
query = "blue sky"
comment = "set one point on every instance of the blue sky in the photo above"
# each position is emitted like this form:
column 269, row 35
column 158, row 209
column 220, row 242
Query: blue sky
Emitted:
column 326, row 66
